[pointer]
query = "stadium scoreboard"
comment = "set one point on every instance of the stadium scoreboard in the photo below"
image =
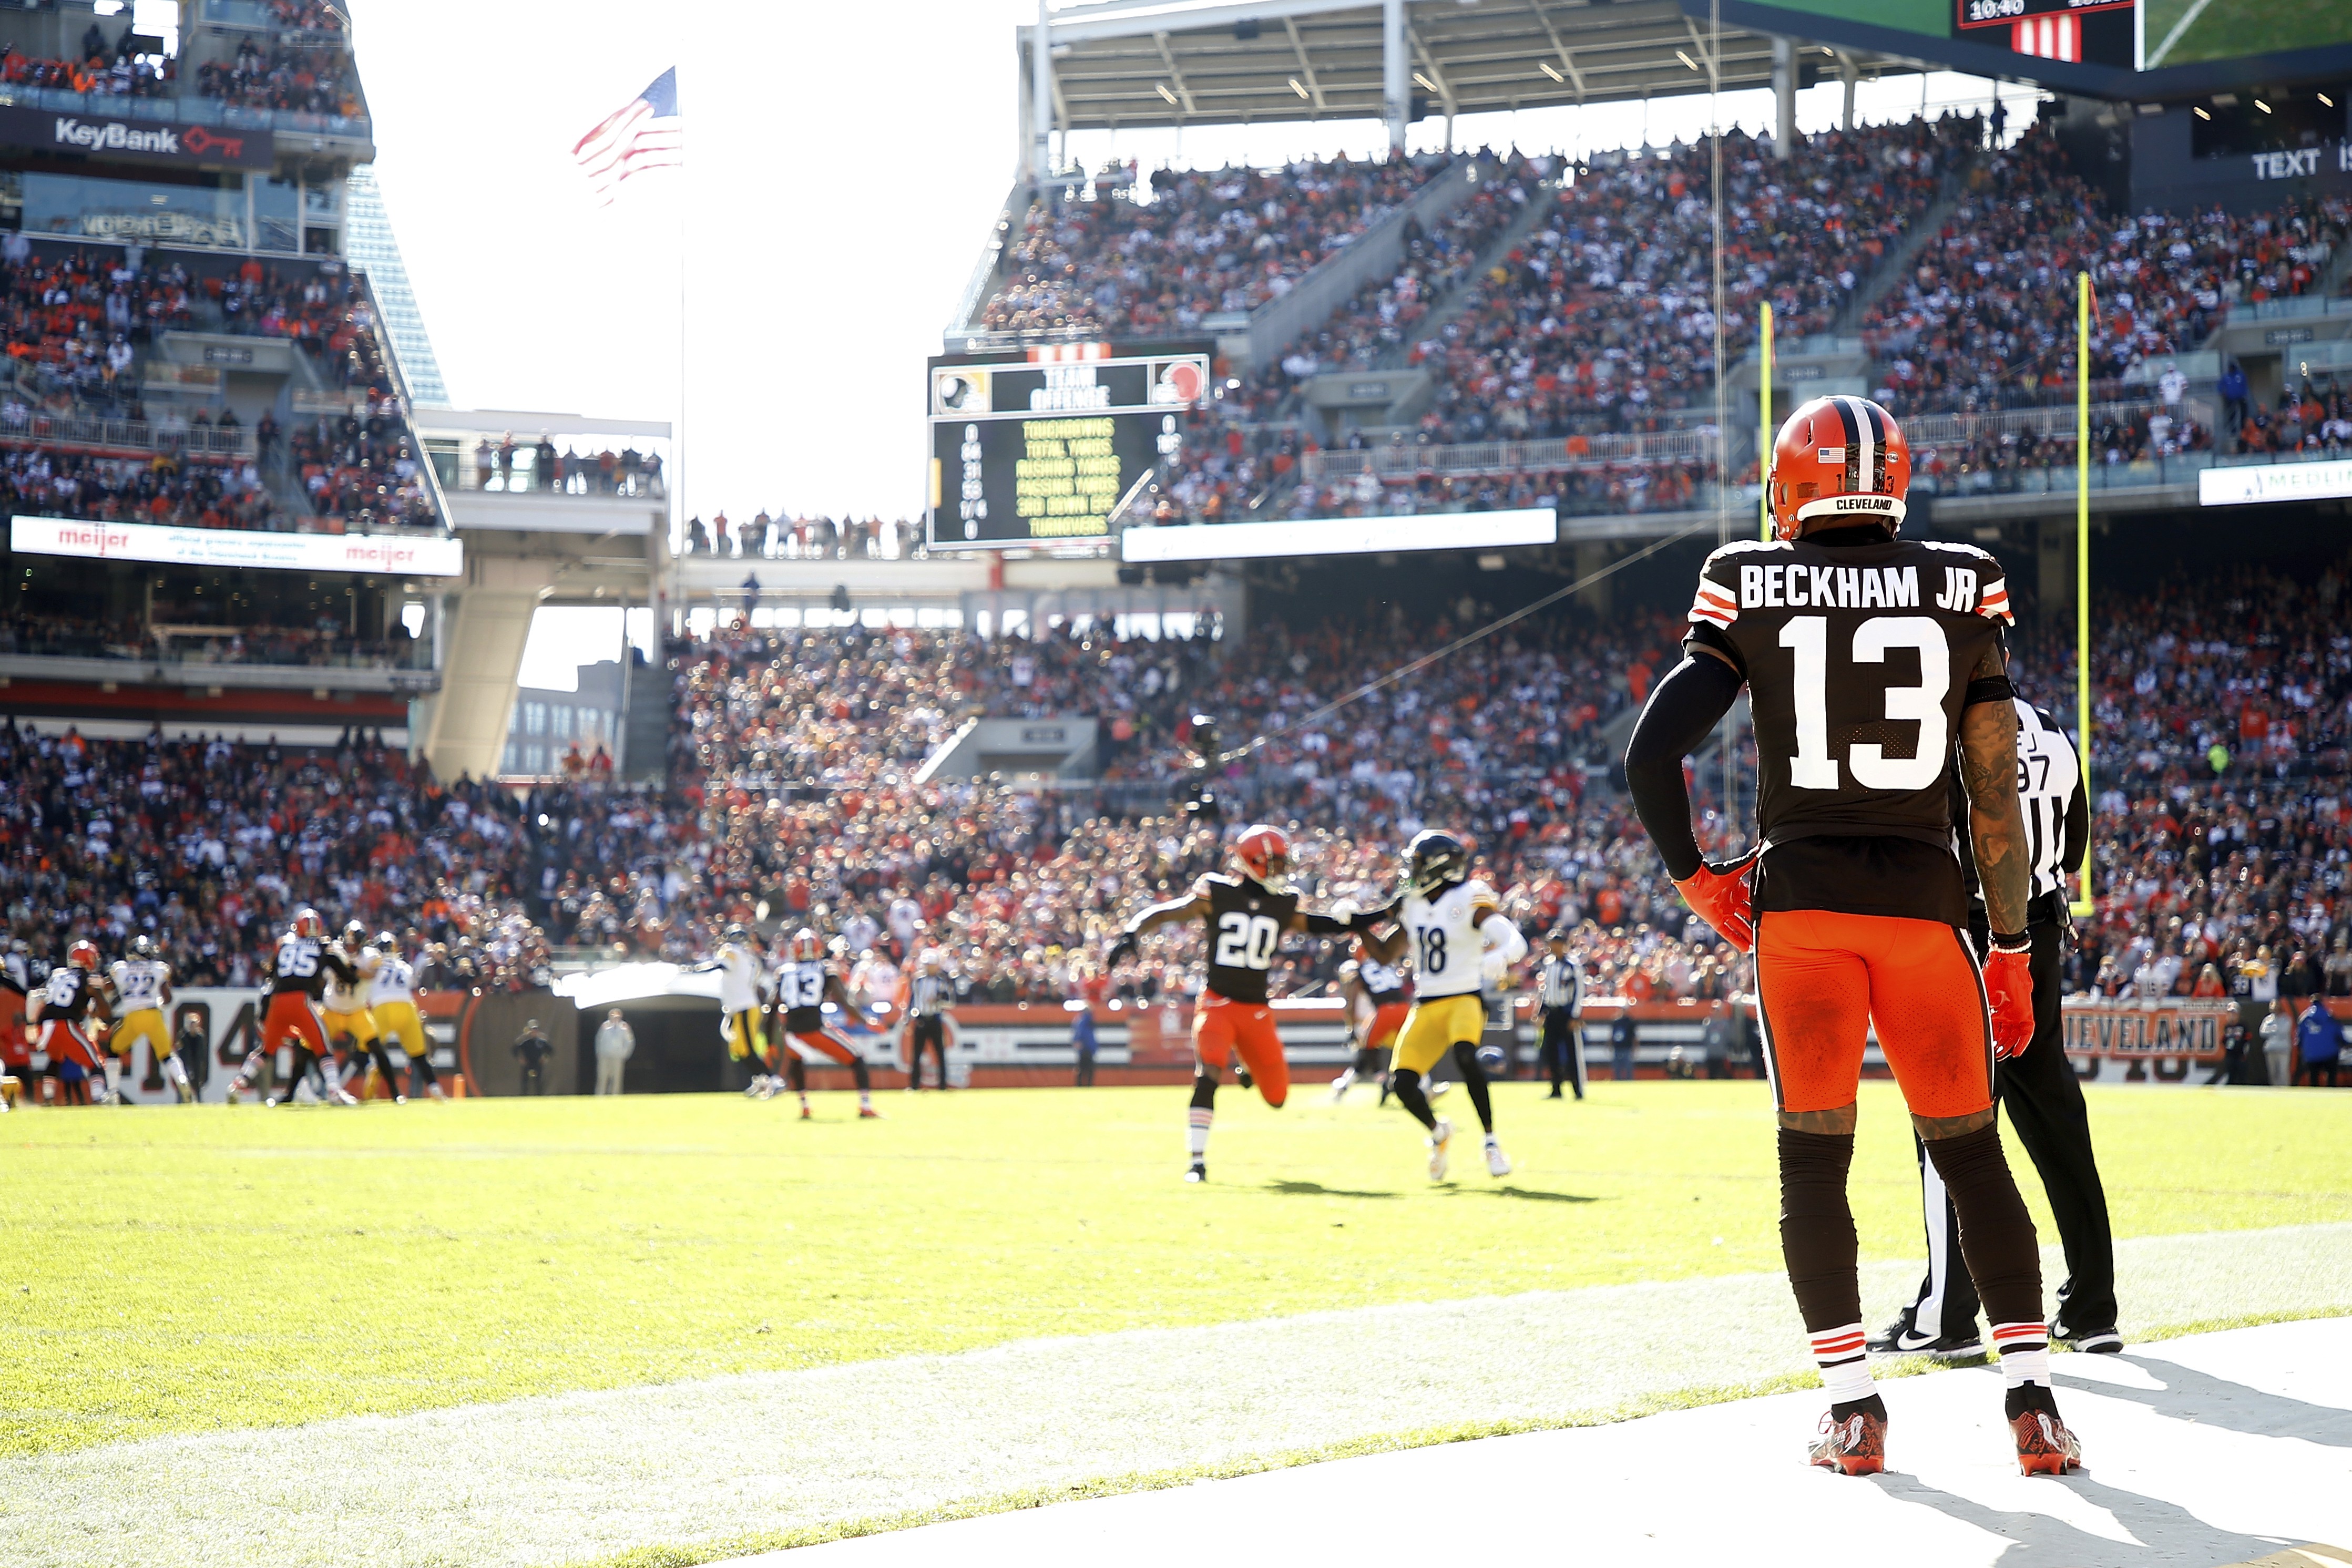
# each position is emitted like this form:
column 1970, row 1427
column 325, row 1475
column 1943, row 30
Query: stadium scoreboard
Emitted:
column 1038, row 447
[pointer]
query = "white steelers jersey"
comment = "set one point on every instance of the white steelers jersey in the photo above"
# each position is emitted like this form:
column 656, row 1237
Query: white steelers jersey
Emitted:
column 345, row 995
column 1443, row 938
column 139, row 983
column 395, row 981
column 739, row 980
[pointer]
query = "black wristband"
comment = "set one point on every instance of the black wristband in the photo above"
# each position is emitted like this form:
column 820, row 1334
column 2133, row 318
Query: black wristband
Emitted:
column 2022, row 942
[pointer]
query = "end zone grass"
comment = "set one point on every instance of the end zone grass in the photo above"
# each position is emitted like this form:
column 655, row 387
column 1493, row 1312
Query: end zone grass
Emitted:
column 169, row 1270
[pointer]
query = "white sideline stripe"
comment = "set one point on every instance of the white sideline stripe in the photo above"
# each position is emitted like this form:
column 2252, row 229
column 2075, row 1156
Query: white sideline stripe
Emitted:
column 2187, row 20
column 2218, row 1448
column 563, row 1477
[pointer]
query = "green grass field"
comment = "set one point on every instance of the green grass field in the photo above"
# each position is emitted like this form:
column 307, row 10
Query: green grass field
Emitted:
column 169, row 1270
column 2224, row 29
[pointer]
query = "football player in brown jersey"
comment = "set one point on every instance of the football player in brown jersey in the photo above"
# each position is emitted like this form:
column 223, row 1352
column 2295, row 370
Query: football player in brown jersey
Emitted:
column 1243, row 918
column 1865, row 656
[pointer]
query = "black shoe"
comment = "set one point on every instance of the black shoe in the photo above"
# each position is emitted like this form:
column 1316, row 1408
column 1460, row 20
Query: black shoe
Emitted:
column 1200, row 1171
column 1900, row 1338
column 1241, row 1076
column 2092, row 1341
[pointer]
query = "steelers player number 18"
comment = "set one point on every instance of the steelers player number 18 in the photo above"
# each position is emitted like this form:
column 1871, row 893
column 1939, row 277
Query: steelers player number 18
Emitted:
column 1246, row 941
column 1811, row 766
column 1432, row 951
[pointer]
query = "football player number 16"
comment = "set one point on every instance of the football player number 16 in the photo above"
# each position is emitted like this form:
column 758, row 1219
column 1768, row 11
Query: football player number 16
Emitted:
column 1246, row 941
column 1812, row 766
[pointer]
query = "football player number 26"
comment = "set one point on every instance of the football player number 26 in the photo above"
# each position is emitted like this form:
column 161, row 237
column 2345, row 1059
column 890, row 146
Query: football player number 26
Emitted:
column 1246, row 941
column 1812, row 766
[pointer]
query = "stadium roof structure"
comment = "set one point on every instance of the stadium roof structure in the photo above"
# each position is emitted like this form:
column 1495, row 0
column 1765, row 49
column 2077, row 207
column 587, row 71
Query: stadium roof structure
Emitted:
column 1209, row 62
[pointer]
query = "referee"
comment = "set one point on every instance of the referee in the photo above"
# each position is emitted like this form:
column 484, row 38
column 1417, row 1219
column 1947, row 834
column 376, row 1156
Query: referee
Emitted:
column 927, row 1002
column 2038, row 1086
column 1559, row 992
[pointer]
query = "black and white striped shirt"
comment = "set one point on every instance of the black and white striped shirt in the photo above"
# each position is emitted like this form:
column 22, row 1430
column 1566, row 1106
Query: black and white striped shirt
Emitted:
column 2048, row 785
column 926, row 995
column 2057, row 809
column 1560, row 985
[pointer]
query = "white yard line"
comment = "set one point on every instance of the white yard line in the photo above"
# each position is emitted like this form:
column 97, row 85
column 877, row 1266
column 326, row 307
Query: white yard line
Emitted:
column 2220, row 1449
column 567, row 1477
column 2187, row 20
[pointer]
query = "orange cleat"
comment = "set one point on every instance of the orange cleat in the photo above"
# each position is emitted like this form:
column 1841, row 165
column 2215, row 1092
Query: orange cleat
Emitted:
column 1856, row 1444
column 805, row 1115
column 868, row 1113
column 2044, row 1447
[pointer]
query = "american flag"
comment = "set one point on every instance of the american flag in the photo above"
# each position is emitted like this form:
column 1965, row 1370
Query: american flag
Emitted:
column 644, row 134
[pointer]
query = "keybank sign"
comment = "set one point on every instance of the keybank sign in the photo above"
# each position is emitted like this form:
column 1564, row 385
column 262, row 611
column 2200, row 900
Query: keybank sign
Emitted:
column 101, row 135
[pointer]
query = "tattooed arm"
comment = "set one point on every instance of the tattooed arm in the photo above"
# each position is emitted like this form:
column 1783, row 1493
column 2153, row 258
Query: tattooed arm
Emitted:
column 1996, row 822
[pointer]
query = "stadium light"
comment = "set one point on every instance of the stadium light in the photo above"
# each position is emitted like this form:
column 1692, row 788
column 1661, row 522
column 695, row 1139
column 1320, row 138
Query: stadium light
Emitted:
column 2200, row 114
column 1685, row 59
column 2327, row 101
column 1296, row 88
column 1545, row 66
column 1426, row 84
column 1162, row 87
column 2261, row 105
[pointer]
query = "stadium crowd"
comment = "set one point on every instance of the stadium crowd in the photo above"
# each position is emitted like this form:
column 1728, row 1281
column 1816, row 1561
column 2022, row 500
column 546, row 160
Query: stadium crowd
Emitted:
column 305, row 78
column 187, row 492
column 1986, row 317
column 1209, row 240
column 103, row 68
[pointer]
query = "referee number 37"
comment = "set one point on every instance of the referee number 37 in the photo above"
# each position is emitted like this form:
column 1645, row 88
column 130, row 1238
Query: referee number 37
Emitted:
column 1812, row 766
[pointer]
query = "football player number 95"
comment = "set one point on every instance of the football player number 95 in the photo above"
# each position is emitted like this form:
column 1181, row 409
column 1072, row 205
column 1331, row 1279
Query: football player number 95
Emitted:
column 1812, row 766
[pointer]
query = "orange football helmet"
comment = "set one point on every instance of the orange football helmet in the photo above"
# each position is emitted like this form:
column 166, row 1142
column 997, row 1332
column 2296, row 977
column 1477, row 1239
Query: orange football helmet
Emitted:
column 1839, row 460
column 807, row 946
column 308, row 924
column 82, row 956
column 1265, row 855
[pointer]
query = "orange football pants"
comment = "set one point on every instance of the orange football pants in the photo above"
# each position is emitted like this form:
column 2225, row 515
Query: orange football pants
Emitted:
column 1823, row 979
column 1221, row 1027
column 1387, row 1019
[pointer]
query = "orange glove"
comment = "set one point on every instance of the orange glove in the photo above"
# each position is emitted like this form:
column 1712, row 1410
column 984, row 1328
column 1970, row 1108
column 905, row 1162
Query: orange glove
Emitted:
column 1719, row 895
column 2009, row 985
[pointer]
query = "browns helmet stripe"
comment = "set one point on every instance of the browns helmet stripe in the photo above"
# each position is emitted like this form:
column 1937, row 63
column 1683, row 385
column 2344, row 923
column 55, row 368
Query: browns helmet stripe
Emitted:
column 1845, row 412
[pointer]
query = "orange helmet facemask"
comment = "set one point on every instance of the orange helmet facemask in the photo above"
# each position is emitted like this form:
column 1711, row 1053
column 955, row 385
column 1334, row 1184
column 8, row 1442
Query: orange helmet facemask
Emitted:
column 1839, row 460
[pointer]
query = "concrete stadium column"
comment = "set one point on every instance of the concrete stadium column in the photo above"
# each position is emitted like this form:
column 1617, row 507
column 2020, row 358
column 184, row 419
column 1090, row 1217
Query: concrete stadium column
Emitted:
column 1591, row 558
column 2054, row 581
column 1849, row 74
column 466, row 730
column 1784, row 98
column 1040, row 96
column 1396, row 107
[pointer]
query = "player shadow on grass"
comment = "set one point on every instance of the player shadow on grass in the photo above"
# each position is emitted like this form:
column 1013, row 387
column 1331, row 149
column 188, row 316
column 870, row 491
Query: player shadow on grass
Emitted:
column 2189, row 1395
column 1527, row 1193
column 1316, row 1189
column 2160, row 1530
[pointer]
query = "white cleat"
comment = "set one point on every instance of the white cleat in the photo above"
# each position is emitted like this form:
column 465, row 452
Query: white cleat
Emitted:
column 1498, row 1164
column 342, row 1097
column 1340, row 1085
column 1439, row 1140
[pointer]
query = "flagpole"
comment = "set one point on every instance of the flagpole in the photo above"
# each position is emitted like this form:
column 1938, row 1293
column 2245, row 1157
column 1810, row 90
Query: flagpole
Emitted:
column 677, row 435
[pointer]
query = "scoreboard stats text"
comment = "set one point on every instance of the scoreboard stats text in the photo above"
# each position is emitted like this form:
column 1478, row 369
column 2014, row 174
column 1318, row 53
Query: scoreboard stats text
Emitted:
column 1031, row 453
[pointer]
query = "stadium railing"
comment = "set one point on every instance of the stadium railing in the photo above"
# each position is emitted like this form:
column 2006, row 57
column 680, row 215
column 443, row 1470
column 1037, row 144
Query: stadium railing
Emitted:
column 122, row 437
column 189, row 110
column 1399, row 461
column 427, row 475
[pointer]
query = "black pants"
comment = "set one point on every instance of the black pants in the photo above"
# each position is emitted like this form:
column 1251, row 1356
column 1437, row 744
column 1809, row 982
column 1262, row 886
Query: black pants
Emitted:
column 929, row 1030
column 2311, row 1070
column 1084, row 1076
column 2045, row 1100
column 534, row 1078
column 1563, row 1052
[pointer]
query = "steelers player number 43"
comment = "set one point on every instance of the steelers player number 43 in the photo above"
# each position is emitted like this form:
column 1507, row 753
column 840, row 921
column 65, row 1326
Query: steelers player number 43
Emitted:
column 1246, row 941
column 1812, row 766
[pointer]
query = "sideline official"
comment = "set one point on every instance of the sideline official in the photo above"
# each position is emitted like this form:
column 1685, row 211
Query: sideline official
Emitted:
column 1560, row 994
column 2038, row 1086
